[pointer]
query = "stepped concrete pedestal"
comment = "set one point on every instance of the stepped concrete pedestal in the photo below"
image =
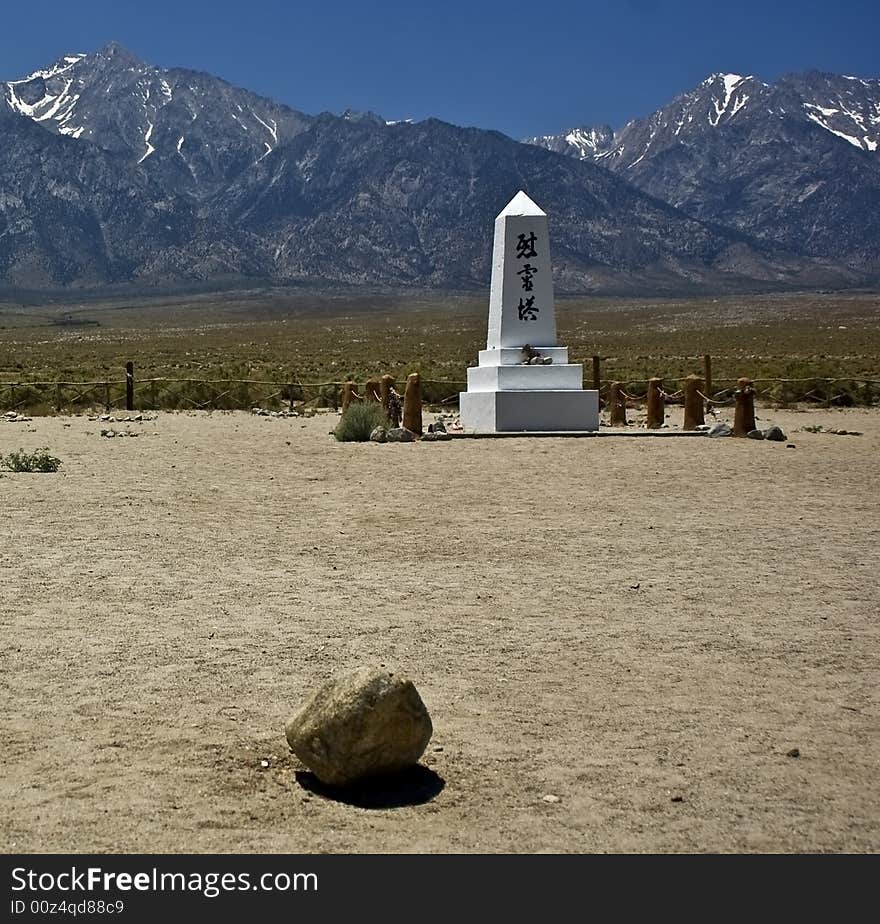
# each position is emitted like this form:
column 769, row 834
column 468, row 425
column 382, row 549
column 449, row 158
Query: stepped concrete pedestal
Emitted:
column 524, row 381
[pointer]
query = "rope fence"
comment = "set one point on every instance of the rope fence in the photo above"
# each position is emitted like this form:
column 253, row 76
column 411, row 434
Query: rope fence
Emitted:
column 167, row 393
column 133, row 393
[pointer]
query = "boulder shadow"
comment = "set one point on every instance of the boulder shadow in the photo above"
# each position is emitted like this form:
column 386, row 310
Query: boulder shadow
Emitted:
column 414, row 786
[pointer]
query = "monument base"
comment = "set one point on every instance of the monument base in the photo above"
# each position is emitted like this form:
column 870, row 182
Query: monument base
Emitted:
column 529, row 411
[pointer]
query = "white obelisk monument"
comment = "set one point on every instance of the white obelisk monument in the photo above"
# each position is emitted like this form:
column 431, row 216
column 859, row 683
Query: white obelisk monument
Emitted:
column 524, row 382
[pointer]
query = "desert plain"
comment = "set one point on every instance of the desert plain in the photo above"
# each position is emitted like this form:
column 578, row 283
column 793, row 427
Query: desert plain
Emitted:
column 623, row 642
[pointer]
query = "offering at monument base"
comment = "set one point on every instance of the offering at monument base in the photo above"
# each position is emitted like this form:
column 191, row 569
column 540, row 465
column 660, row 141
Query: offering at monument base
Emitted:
column 524, row 381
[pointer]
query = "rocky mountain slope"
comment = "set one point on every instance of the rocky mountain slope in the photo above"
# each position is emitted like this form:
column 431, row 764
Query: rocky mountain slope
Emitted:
column 796, row 163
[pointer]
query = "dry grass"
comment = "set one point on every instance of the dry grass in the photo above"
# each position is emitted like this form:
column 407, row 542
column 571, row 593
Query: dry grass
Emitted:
column 299, row 338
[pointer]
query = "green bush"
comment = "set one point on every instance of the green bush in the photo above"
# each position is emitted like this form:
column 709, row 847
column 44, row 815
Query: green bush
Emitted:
column 37, row 461
column 358, row 421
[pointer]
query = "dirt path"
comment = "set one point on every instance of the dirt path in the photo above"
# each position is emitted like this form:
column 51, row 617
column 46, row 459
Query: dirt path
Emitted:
column 643, row 628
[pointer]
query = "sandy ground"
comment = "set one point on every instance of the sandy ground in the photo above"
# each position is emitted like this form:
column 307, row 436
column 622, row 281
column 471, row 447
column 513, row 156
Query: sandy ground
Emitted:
column 643, row 628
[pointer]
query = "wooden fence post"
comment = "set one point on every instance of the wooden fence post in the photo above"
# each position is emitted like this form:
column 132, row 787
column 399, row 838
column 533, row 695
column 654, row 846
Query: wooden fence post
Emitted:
column 129, row 386
column 617, row 405
column 372, row 390
column 349, row 394
column 693, row 403
column 597, row 373
column 412, row 403
column 58, row 397
column 656, row 405
column 707, row 374
column 106, row 397
column 386, row 383
column 744, row 414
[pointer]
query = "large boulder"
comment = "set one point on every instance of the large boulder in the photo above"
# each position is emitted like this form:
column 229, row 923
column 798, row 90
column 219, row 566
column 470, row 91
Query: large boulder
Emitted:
column 363, row 723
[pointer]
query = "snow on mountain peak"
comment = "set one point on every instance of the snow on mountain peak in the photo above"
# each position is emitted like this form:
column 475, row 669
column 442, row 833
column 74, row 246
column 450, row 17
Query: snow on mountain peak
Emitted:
column 590, row 141
column 123, row 104
column 731, row 80
column 732, row 94
column 31, row 96
column 59, row 67
column 846, row 107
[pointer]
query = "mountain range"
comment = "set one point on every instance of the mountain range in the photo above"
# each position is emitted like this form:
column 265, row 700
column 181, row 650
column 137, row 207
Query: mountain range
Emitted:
column 117, row 172
column 795, row 163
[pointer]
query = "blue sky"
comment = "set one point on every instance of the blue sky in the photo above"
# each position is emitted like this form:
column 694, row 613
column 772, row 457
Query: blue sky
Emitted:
column 522, row 66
